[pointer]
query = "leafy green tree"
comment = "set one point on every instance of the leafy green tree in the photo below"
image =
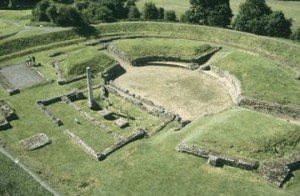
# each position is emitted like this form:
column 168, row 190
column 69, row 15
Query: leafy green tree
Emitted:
column 296, row 34
column 150, row 11
column 133, row 13
column 210, row 12
column 255, row 16
column 161, row 13
column 96, row 13
column 170, row 15
column 277, row 25
column 39, row 13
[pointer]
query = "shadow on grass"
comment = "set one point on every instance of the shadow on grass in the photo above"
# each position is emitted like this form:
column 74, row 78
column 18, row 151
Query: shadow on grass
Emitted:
column 87, row 31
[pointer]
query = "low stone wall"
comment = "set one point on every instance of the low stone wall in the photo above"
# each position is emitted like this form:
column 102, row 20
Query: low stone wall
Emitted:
column 7, row 86
column 273, row 108
column 146, row 59
column 86, row 148
column 140, row 102
column 74, row 79
column 137, row 134
column 279, row 171
column 113, row 72
column 72, row 95
column 49, row 114
column 235, row 89
column 217, row 159
column 113, row 38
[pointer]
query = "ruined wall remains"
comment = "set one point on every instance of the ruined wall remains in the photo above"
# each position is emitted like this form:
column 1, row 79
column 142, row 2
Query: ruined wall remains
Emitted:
column 113, row 72
column 135, row 135
column 217, row 159
column 279, row 171
column 273, row 108
column 86, row 148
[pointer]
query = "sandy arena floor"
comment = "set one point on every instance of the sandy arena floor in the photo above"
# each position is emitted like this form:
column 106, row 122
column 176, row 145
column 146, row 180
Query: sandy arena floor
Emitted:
column 191, row 94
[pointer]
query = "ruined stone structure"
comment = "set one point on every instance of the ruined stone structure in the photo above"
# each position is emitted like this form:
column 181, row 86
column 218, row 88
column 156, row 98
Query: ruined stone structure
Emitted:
column 86, row 148
column 278, row 171
column 217, row 159
column 136, row 134
column 6, row 114
column 37, row 141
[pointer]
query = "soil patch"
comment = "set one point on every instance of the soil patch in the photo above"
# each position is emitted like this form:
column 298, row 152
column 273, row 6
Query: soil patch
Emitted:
column 189, row 93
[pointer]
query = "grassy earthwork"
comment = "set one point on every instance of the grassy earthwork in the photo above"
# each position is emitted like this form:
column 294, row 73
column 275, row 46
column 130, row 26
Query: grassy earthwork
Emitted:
column 264, row 66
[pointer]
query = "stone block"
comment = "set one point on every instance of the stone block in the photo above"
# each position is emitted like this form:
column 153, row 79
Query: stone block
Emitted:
column 37, row 141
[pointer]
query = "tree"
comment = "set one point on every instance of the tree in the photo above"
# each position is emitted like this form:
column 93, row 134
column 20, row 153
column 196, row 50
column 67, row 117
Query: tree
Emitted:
column 39, row 12
column 161, row 13
column 98, row 13
column 170, row 15
column 210, row 12
column 255, row 16
column 296, row 34
column 150, row 11
column 278, row 25
column 133, row 13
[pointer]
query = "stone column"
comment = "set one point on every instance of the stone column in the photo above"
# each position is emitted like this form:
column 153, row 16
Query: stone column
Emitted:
column 90, row 88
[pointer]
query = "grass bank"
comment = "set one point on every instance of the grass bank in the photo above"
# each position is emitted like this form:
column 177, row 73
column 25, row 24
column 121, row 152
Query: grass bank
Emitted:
column 163, row 47
column 245, row 133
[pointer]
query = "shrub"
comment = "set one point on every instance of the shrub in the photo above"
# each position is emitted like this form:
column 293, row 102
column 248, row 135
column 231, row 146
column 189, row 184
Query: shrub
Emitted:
column 150, row 11
column 170, row 15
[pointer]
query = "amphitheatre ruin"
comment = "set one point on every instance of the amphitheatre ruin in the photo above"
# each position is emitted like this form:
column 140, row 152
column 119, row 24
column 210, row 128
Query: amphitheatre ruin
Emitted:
column 159, row 101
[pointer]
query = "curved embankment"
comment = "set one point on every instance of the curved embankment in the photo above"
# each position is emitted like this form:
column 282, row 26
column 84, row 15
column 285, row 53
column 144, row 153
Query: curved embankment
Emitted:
column 281, row 51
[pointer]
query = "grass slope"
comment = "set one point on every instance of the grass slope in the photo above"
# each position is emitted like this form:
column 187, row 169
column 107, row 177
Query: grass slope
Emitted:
column 14, row 181
column 260, row 78
column 245, row 133
column 163, row 47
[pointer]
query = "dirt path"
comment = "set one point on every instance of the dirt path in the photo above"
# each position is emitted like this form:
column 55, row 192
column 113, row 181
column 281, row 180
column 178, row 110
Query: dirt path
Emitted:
column 27, row 170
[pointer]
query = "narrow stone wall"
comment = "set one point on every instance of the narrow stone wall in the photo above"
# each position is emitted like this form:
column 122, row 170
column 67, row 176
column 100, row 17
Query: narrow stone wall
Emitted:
column 217, row 159
column 86, row 148
column 140, row 102
column 229, row 82
column 273, row 108
column 136, row 134
column 48, row 113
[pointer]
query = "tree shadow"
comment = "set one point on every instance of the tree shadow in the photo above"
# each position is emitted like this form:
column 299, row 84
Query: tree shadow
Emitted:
column 87, row 31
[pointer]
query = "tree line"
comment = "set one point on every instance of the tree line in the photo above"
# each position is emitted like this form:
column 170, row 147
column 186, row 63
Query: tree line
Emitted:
column 254, row 16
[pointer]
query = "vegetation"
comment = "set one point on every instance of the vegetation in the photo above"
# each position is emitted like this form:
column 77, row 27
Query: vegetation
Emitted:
column 231, row 132
column 212, row 13
column 257, row 17
column 262, row 79
column 165, row 47
column 77, row 61
column 15, row 181
column 148, row 166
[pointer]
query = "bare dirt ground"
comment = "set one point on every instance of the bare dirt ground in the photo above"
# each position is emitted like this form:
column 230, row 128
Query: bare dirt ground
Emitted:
column 21, row 76
column 191, row 94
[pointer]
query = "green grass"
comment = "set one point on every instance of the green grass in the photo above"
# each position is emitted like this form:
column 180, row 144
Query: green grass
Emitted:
column 162, row 47
column 245, row 133
column 260, row 78
column 15, row 181
column 77, row 61
column 8, row 29
column 289, row 8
